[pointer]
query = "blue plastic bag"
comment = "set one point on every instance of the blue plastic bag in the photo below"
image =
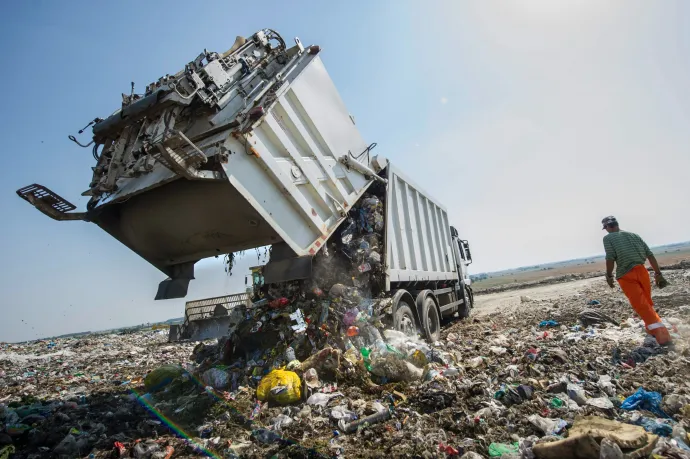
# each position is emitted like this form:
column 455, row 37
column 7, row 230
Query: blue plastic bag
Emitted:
column 548, row 323
column 655, row 427
column 643, row 400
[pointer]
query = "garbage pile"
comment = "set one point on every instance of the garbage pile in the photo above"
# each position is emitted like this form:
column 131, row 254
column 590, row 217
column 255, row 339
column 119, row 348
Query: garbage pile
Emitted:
column 67, row 397
column 322, row 324
column 570, row 377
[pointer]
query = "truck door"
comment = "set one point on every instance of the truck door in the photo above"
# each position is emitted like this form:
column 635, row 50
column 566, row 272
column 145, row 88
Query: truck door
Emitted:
column 462, row 261
column 460, row 256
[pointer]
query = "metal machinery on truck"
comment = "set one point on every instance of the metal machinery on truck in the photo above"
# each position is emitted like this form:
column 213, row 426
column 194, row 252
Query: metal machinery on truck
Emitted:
column 250, row 148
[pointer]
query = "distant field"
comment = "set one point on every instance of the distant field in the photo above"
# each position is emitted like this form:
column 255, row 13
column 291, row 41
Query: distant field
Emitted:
column 665, row 256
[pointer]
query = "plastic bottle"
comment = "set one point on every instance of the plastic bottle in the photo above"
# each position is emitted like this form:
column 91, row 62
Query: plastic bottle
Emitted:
column 374, row 333
column 680, row 436
column 380, row 346
column 324, row 312
column 450, row 372
column 146, row 449
column 366, row 355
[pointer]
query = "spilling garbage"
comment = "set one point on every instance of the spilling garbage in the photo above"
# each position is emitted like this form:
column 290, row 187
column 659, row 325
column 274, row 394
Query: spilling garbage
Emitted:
column 334, row 380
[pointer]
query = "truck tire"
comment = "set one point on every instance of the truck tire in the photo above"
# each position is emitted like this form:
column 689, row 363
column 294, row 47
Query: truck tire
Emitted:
column 464, row 311
column 431, row 320
column 404, row 319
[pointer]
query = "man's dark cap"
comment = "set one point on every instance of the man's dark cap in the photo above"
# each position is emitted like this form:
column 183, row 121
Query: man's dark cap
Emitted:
column 609, row 220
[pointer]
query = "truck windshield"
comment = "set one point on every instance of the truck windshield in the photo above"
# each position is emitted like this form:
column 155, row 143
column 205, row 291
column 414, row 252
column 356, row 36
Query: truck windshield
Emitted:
column 461, row 249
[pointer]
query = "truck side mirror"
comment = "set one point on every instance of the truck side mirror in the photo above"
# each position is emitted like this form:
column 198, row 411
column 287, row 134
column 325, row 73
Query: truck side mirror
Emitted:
column 468, row 254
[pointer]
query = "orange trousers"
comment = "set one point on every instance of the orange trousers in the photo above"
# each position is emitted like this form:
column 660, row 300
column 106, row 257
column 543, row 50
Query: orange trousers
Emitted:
column 637, row 287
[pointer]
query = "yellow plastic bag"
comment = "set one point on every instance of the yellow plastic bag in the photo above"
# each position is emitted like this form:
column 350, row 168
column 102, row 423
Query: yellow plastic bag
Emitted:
column 281, row 386
column 418, row 359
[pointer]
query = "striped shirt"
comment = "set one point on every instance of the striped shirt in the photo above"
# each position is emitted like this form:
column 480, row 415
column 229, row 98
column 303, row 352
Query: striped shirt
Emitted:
column 627, row 250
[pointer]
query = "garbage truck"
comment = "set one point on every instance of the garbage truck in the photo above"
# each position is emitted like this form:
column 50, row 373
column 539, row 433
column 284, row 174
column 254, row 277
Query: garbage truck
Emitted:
column 254, row 147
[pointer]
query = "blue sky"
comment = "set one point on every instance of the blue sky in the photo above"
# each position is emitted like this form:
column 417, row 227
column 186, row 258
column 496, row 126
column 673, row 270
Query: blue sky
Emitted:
column 529, row 120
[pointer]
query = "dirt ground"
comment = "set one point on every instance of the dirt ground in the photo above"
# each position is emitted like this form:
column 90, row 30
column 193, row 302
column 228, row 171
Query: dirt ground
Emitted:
column 577, row 268
column 510, row 300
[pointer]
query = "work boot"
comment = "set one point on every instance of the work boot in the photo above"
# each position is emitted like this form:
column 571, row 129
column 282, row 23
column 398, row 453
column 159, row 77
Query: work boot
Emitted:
column 662, row 336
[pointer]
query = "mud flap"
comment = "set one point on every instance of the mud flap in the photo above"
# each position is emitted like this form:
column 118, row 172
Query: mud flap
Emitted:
column 172, row 288
column 174, row 333
column 177, row 284
column 285, row 266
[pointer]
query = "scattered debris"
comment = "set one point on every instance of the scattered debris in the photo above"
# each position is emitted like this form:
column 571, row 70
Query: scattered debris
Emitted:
column 491, row 386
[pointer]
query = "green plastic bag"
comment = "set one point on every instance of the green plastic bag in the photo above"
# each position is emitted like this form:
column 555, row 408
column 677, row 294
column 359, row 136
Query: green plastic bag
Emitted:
column 162, row 376
column 499, row 449
column 6, row 451
column 556, row 402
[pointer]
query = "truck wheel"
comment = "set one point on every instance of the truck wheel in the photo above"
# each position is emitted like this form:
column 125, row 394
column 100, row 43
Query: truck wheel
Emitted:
column 431, row 320
column 464, row 310
column 404, row 319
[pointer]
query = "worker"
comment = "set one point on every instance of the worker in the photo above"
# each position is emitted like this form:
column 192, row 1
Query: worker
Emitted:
column 628, row 251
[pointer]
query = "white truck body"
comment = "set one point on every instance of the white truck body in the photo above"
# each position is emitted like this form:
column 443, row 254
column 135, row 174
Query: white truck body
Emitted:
column 418, row 233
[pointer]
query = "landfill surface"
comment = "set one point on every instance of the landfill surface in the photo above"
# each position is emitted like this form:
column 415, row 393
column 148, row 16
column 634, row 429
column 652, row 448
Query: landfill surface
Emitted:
column 498, row 385
column 314, row 368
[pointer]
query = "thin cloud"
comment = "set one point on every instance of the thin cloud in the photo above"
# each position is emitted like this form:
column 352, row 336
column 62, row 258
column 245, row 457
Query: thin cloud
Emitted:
column 444, row 100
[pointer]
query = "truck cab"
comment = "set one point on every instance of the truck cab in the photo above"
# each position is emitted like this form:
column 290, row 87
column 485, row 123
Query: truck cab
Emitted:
column 254, row 288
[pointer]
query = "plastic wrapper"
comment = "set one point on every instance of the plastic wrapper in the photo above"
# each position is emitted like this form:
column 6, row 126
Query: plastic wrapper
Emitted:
column 216, row 378
column 548, row 426
column 281, row 421
column 500, row 449
column 577, row 394
column 610, row 450
column 600, row 402
column 394, row 369
column 341, row 412
column 266, row 436
column 475, row 362
column 364, row 267
column 348, row 233
column 311, row 378
column 655, row 426
column 322, row 399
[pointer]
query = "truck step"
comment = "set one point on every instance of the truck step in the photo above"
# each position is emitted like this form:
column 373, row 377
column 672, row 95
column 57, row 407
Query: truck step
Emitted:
column 41, row 193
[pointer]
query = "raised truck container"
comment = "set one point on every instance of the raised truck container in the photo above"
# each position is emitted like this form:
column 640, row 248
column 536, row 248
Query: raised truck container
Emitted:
column 250, row 148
